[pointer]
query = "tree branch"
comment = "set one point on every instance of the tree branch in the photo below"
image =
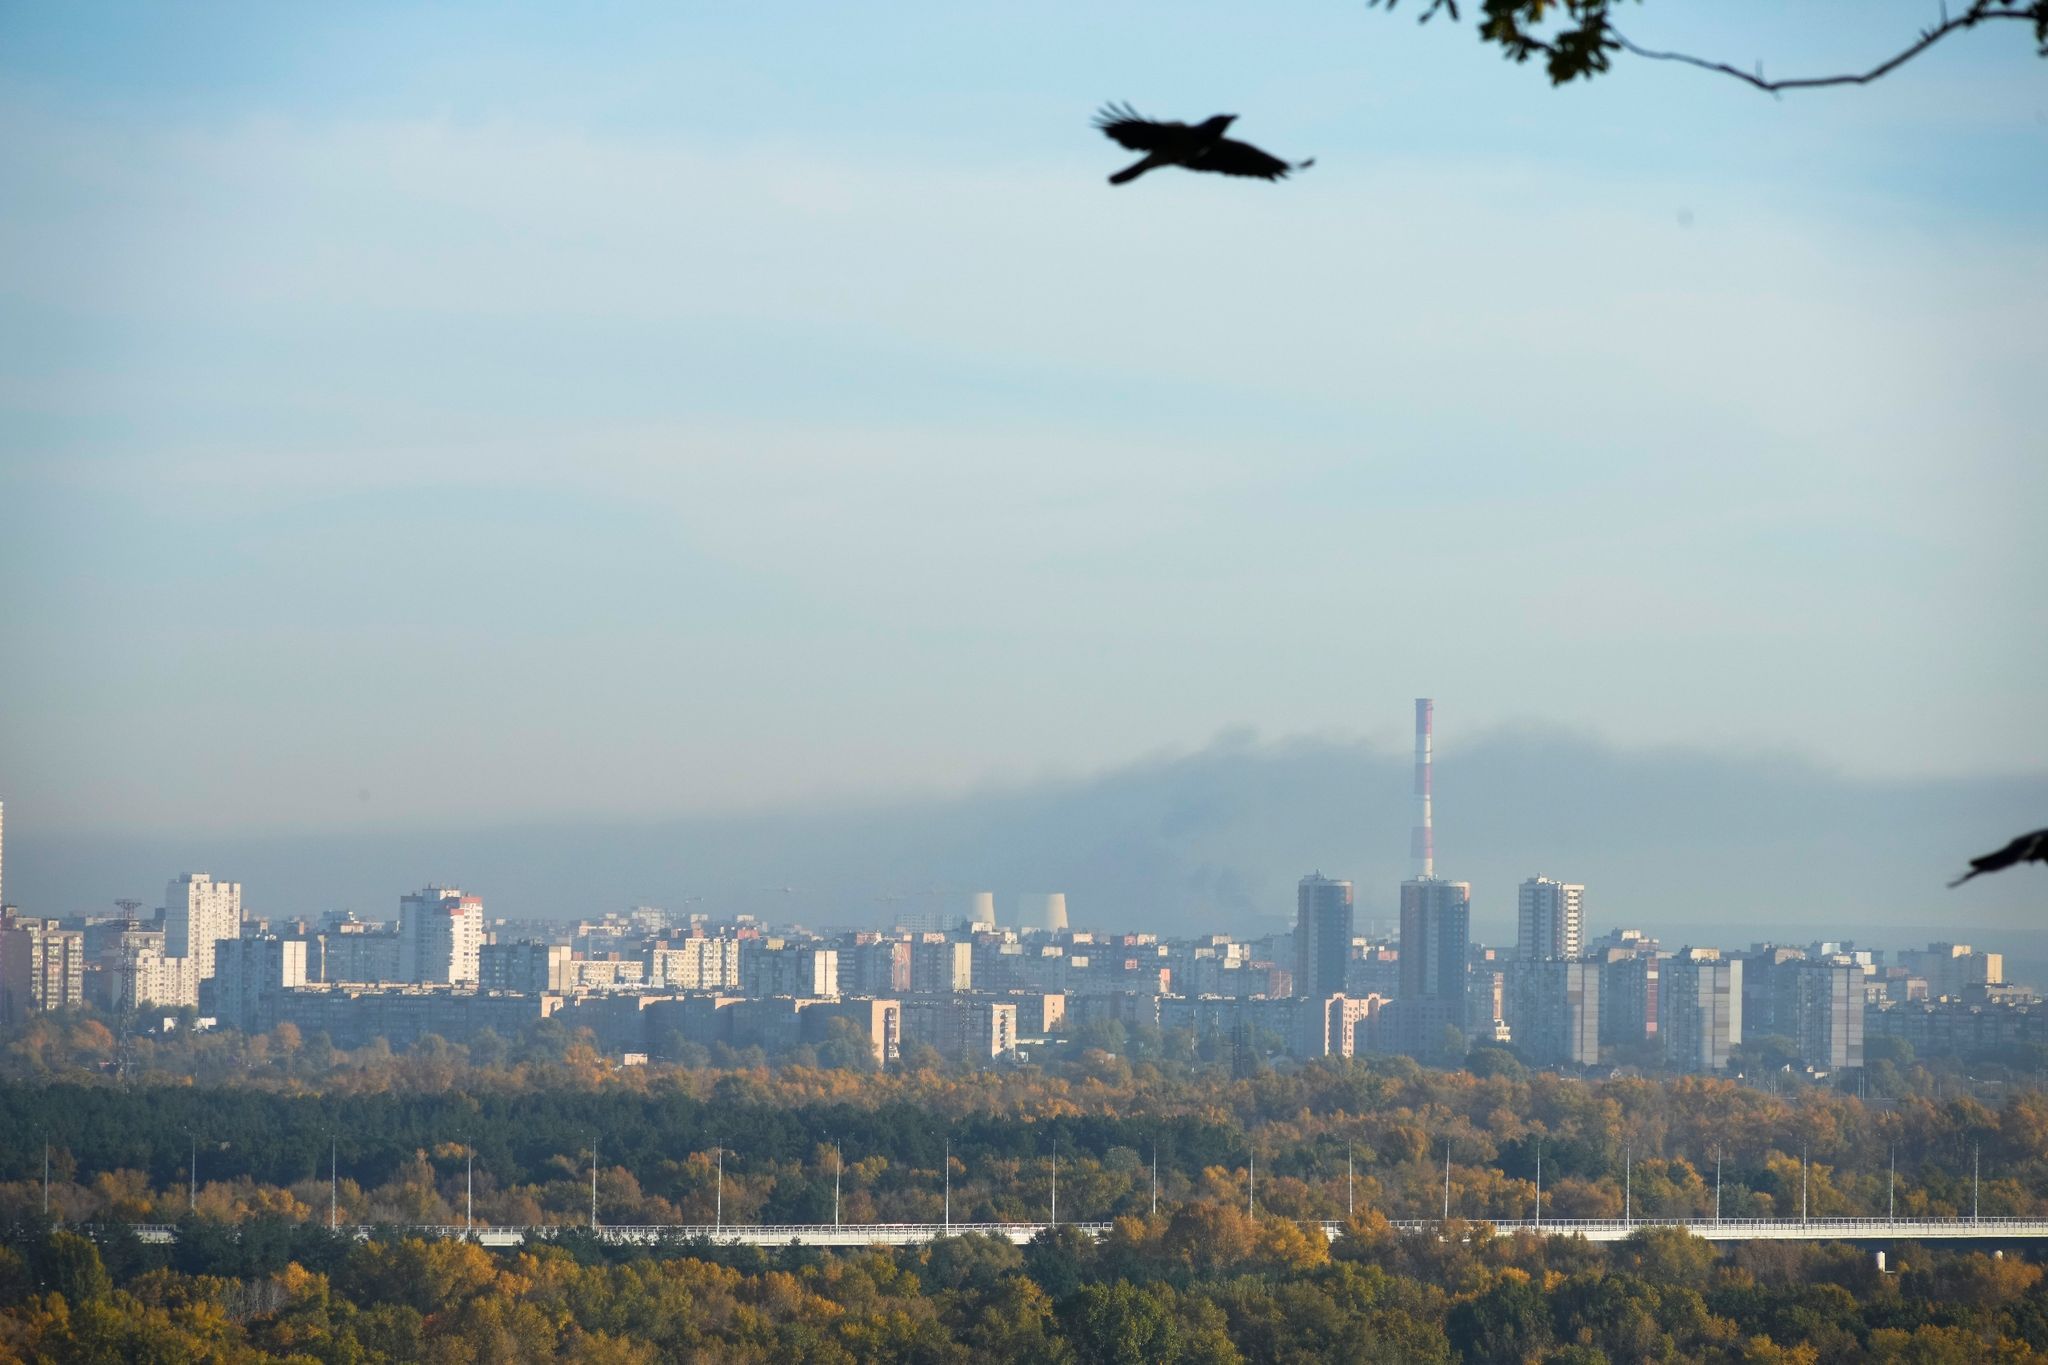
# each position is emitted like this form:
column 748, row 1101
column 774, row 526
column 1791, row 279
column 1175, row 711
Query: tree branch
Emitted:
column 1978, row 13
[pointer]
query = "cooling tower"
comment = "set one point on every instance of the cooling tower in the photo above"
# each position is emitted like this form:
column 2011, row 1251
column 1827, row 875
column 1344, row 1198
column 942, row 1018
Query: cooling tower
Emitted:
column 1045, row 912
column 983, row 911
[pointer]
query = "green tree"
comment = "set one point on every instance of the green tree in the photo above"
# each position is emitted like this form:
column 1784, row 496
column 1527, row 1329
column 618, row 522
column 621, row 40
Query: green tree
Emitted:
column 1121, row 1324
column 1507, row 1324
column 64, row 1263
column 1668, row 1256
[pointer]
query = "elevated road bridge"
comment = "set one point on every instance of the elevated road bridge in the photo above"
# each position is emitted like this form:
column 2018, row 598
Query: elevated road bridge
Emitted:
column 908, row 1234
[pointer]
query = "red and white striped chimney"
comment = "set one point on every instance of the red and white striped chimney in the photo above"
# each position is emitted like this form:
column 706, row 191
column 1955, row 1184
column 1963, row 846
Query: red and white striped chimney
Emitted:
column 1424, row 849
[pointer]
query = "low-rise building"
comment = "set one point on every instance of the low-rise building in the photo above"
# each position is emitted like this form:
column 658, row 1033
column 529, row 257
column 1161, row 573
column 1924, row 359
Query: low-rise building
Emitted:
column 354, row 1015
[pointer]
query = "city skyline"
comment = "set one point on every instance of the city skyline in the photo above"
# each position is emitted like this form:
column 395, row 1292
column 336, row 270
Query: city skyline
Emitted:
column 648, row 980
column 772, row 723
column 1217, row 838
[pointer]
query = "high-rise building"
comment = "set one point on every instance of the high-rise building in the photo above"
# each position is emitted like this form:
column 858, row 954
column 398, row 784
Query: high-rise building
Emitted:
column 1338, row 1026
column 198, row 913
column 1375, row 971
column 1554, row 1010
column 359, row 953
column 1436, row 952
column 1322, row 936
column 1828, row 1011
column 440, row 936
column 1436, row 940
column 1770, row 990
column 874, row 965
column 1486, row 994
column 1950, row 969
column 527, row 967
column 42, row 967
column 941, row 964
column 960, row 1028
column 1630, row 980
column 772, row 967
column 1549, row 918
column 249, row 976
column 695, row 964
column 1700, row 1009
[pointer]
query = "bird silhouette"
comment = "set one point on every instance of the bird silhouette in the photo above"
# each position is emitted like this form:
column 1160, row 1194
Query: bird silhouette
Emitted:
column 1198, row 147
column 2028, row 848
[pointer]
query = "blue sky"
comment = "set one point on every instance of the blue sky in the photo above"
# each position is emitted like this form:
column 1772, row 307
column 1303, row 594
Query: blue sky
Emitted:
column 461, row 413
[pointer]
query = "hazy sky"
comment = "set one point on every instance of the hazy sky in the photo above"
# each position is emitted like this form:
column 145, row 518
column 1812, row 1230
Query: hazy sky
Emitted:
column 467, row 413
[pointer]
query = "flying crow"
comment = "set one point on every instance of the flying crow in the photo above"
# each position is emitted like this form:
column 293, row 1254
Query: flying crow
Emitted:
column 1201, row 147
column 2028, row 848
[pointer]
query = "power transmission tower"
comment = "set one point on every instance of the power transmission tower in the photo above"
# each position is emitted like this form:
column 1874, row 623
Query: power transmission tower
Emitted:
column 1241, row 1066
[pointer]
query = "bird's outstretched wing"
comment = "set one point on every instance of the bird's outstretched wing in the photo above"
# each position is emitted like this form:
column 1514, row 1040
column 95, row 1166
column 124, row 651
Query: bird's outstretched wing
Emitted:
column 2028, row 848
column 1241, row 158
column 1127, row 126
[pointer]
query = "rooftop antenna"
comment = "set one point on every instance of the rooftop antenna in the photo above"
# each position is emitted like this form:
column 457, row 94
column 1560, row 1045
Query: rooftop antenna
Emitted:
column 1447, row 1180
column 128, row 909
column 718, row 1209
column 1055, row 1185
column 1802, row 1182
column 1976, row 1155
column 1891, row 1189
column 1424, row 850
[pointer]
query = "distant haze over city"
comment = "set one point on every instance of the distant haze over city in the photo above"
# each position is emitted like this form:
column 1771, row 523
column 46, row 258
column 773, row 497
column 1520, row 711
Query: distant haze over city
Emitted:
column 1715, row 847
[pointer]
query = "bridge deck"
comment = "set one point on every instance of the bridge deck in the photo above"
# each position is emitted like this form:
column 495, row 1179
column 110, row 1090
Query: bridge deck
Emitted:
column 906, row 1234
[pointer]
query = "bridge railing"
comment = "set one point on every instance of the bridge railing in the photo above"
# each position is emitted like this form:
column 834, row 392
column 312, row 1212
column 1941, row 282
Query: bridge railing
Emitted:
column 1743, row 1224
column 1603, row 1229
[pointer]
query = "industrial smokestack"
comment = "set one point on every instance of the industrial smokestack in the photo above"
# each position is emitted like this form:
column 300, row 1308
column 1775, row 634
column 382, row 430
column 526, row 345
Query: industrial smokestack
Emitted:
column 1424, row 849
